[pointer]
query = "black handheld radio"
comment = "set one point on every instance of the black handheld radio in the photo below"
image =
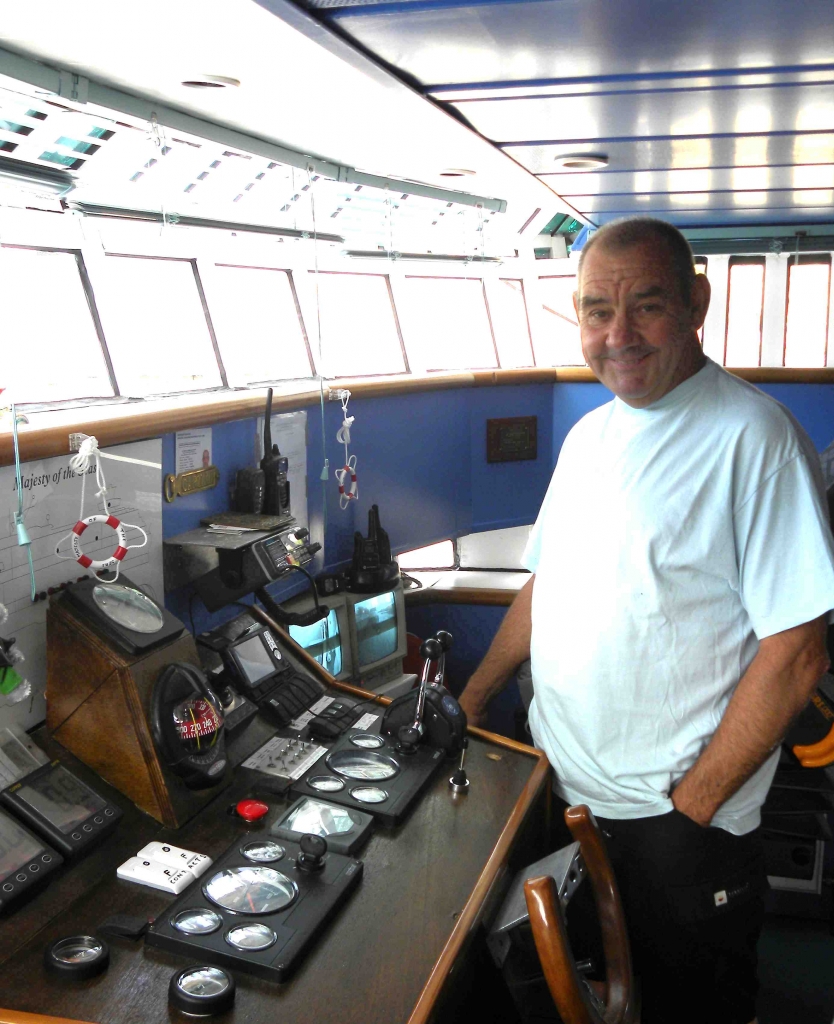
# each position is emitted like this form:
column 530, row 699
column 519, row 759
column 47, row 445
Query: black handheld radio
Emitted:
column 274, row 466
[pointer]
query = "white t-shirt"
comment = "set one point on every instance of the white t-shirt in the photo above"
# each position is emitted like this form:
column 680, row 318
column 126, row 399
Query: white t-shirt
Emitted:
column 670, row 539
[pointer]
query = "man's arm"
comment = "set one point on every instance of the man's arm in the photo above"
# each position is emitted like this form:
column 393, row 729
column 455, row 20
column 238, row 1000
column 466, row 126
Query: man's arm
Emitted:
column 507, row 651
column 774, row 689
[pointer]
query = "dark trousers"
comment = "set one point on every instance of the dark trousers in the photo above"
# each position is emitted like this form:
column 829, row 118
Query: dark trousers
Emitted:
column 694, row 906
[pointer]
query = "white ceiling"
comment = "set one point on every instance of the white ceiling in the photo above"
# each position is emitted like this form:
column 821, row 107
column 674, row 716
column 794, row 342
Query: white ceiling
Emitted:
column 301, row 86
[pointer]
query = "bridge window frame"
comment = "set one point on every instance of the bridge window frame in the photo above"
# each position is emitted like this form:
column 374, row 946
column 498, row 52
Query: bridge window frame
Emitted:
column 796, row 261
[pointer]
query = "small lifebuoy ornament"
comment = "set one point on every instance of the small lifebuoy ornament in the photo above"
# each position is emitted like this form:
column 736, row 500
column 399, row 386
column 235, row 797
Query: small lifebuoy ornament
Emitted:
column 98, row 564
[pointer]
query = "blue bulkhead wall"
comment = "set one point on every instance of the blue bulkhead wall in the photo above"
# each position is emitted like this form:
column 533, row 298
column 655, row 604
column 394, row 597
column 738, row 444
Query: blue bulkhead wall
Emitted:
column 421, row 458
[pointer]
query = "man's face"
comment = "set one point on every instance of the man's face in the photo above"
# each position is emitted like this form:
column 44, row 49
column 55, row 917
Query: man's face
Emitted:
column 638, row 335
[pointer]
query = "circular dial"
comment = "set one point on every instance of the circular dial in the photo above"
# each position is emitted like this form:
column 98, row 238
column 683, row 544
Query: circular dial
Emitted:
column 79, row 956
column 369, row 794
column 251, row 936
column 128, row 607
column 198, row 724
column 202, row 990
column 197, row 921
column 251, row 890
column 363, row 764
column 367, row 740
column 263, row 851
column 326, row 784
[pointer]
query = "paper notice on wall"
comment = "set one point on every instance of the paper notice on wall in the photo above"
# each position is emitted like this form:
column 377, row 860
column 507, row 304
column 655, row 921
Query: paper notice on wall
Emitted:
column 193, row 449
column 289, row 432
column 52, row 503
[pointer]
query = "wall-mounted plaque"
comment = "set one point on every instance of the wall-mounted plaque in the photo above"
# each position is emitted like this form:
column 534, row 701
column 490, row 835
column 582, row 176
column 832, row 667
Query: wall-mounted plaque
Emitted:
column 512, row 439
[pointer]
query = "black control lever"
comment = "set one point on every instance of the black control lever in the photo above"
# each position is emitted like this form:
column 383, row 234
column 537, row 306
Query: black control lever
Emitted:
column 313, row 849
column 459, row 781
column 409, row 735
column 445, row 640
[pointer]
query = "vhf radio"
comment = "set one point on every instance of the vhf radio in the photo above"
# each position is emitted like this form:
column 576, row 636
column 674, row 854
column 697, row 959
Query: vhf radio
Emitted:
column 274, row 466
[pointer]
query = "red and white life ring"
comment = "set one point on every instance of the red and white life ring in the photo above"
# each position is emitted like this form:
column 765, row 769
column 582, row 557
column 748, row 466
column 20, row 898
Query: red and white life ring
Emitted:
column 106, row 563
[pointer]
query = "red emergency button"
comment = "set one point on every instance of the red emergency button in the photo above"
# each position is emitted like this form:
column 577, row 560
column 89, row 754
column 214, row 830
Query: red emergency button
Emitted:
column 251, row 810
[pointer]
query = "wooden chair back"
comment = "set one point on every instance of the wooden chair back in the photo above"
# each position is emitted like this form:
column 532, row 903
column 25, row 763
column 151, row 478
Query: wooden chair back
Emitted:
column 569, row 993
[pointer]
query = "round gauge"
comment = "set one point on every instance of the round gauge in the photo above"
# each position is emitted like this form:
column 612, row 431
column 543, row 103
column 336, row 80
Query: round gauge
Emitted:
column 81, row 956
column 263, row 851
column 128, row 607
column 251, row 890
column 362, row 764
column 251, row 936
column 197, row 921
column 202, row 991
column 198, row 724
column 367, row 740
column 369, row 794
column 326, row 783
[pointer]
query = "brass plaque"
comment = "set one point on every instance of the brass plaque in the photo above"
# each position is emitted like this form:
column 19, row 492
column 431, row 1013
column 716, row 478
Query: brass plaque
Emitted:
column 512, row 440
column 191, row 482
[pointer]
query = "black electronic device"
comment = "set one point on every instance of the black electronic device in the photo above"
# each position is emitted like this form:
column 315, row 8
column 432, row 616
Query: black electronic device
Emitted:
column 254, row 660
column 60, row 807
column 25, row 861
column 373, row 569
column 187, row 726
column 248, row 492
column 367, row 772
column 333, row 720
column 124, row 614
column 274, row 466
column 257, row 909
column 430, row 713
column 344, row 828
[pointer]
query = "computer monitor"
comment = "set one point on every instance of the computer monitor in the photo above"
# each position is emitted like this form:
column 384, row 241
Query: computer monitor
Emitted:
column 328, row 640
column 378, row 640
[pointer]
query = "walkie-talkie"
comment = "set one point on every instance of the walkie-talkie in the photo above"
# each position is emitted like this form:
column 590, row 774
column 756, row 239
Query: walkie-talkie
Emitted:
column 274, row 465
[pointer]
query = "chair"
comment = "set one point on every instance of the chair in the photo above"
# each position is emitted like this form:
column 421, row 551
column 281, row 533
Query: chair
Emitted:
column 576, row 1001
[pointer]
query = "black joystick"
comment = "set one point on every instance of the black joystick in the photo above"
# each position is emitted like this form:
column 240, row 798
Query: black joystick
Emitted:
column 444, row 639
column 459, row 781
column 313, row 849
column 431, row 649
column 407, row 739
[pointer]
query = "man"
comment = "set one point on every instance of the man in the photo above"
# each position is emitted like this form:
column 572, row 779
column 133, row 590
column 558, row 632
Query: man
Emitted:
column 683, row 571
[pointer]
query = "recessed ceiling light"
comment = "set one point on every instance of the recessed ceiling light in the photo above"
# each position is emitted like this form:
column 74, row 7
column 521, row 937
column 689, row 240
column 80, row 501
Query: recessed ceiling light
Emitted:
column 211, row 82
column 581, row 161
column 456, row 172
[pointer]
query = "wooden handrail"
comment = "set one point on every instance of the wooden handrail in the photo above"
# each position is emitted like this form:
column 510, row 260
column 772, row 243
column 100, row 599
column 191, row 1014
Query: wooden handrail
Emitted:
column 551, row 938
column 19, row 1017
column 48, row 435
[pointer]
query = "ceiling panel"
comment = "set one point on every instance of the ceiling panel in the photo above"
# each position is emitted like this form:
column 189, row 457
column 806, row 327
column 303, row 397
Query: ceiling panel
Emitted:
column 756, row 216
column 711, row 178
column 711, row 202
column 577, row 38
column 663, row 154
column 702, row 112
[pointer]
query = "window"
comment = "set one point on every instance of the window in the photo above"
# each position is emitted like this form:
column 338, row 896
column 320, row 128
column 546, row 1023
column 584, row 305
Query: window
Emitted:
column 51, row 349
column 155, row 325
column 508, row 311
column 447, row 323
column 745, row 300
column 806, row 328
column 562, row 325
column 433, row 556
column 360, row 335
column 259, row 331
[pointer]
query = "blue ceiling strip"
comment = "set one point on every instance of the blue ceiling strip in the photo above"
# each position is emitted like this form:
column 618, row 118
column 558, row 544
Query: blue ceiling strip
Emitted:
column 698, row 192
column 565, row 175
column 636, row 76
column 664, row 138
column 333, row 13
column 688, row 90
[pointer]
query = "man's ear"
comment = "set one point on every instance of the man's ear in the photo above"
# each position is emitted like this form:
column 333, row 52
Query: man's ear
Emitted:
column 699, row 303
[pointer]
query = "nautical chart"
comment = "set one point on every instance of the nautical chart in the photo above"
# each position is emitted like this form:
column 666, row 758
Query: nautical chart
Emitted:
column 52, row 495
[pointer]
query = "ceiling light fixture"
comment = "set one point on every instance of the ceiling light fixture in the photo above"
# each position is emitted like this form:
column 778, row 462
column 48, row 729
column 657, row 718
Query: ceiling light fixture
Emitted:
column 581, row 161
column 457, row 172
column 211, row 82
